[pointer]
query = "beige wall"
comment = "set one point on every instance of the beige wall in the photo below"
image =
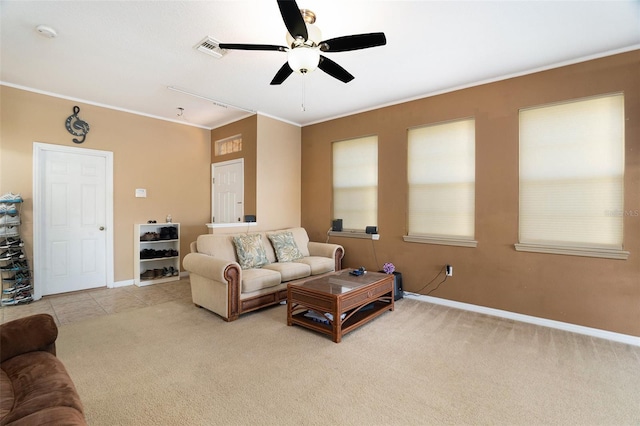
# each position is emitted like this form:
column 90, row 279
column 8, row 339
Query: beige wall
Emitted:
column 592, row 292
column 278, row 174
column 170, row 160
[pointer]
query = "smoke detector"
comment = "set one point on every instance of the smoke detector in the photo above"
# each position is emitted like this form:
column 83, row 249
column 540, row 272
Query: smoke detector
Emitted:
column 47, row 32
column 210, row 46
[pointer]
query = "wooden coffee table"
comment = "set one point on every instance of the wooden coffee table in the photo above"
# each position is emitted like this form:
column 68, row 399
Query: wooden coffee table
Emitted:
column 350, row 301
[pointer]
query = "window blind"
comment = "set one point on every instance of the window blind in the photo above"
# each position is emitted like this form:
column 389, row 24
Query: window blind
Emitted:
column 441, row 177
column 355, row 182
column 572, row 173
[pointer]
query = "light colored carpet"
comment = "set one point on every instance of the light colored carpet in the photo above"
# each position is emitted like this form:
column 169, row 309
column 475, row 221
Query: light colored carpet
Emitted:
column 175, row 364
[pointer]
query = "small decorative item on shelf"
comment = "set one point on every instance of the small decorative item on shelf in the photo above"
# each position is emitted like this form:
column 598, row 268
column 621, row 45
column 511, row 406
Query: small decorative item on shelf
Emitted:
column 388, row 268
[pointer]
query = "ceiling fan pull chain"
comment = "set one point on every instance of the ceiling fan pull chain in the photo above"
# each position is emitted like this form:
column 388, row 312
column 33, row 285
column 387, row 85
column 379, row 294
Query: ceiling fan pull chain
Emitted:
column 304, row 80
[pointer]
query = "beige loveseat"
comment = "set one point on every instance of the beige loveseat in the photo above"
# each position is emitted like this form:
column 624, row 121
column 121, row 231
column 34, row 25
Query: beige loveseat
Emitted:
column 220, row 284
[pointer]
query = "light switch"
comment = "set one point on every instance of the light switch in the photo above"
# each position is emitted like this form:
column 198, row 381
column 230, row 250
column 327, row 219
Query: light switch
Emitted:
column 141, row 193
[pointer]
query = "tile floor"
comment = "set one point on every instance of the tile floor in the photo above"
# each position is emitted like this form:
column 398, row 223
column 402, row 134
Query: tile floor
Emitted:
column 77, row 306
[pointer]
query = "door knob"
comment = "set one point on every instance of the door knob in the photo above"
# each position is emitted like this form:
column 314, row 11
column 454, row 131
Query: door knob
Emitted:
column 101, row 228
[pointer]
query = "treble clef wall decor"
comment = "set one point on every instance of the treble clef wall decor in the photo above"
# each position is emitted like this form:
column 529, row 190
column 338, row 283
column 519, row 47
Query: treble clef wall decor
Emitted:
column 76, row 126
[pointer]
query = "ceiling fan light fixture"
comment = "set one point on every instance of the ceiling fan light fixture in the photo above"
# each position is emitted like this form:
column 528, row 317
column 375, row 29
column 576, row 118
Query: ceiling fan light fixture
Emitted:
column 303, row 59
column 314, row 37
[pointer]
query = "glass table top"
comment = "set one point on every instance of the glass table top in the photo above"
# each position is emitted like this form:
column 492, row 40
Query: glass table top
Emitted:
column 342, row 282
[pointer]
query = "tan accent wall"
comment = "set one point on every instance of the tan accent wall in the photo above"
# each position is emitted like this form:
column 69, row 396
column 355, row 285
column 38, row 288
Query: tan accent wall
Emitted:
column 248, row 128
column 170, row 160
column 592, row 292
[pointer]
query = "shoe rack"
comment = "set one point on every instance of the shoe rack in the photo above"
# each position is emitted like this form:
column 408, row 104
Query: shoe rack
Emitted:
column 17, row 287
column 156, row 249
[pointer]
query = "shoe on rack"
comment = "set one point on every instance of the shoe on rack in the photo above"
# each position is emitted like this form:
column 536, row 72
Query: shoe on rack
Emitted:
column 20, row 265
column 18, row 277
column 150, row 236
column 10, row 198
column 147, row 275
column 9, row 231
column 8, row 219
column 23, row 297
column 8, row 290
column 12, row 255
column 23, row 287
column 8, row 301
column 11, row 243
column 8, row 209
column 165, row 232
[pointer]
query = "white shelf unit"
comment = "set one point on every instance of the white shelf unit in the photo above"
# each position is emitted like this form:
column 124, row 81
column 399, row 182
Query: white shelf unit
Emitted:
column 156, row 248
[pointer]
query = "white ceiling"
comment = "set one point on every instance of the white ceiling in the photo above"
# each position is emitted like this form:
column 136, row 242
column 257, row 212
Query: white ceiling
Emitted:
column 124, row 54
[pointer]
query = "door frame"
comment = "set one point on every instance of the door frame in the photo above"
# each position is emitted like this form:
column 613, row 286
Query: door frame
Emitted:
column 39, row 148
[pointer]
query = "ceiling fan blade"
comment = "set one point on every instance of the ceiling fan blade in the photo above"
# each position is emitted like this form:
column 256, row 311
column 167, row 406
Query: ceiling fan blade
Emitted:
column 232, row 46
column 293, row 19
column 282, row 74
column 353, row 42
column 334, row 70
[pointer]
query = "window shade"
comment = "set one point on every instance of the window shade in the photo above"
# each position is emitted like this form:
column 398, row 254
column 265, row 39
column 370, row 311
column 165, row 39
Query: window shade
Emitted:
column 572, row 173
column 355, row 182
column 441, row 176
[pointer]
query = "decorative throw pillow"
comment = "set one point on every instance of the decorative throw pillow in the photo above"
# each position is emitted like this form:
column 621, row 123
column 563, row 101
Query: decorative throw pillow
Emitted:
column 250, row 251
column 285, row 247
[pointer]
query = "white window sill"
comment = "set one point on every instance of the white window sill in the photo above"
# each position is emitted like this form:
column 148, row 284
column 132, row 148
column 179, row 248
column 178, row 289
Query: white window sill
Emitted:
column 461, row 242
column 230, row 225
column 573, row 251
column 354, row 234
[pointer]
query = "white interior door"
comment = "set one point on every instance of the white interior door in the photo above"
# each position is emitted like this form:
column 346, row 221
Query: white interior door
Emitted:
column 74, row 226
column 227, row 191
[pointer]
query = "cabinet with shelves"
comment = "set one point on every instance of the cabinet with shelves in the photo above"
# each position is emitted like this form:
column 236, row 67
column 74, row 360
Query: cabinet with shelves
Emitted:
column 157, row 253
column 15, row 273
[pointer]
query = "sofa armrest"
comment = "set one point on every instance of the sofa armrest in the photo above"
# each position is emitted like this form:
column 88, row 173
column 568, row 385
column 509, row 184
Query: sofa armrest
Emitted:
column 213, row 278
column 29, row 334
column 333, row 251
column 207, row 266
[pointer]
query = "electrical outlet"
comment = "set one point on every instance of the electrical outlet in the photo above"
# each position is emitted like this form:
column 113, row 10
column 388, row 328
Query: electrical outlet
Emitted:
column 449, row 270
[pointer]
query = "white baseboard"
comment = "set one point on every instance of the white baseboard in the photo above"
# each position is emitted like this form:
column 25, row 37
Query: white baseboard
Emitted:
column 594, row 332
column 122, row 283
column 183, row 274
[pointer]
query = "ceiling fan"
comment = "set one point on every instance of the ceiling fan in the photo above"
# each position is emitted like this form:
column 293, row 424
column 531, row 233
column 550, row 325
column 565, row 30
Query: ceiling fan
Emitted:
column 304, row 45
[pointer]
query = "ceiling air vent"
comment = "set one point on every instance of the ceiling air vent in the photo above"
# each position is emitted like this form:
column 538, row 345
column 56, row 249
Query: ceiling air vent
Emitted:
column 210, row 46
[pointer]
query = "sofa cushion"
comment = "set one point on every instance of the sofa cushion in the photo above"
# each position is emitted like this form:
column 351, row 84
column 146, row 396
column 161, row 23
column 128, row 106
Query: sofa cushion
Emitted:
column 290, row 270
column 39, row 382
column 318, row 265
column 302, row 239
column 217, row 245
column 250, row 251
column 258, row 279
column 285, row 246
